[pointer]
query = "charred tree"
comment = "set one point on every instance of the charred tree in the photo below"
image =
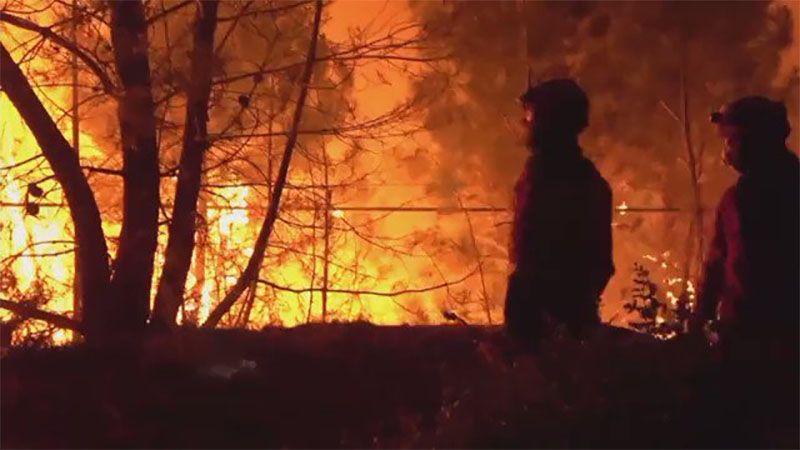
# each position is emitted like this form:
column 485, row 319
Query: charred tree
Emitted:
column 91, row 245
column 76, row 144
column 133, row 265
column 178, row 257
column 141, row 71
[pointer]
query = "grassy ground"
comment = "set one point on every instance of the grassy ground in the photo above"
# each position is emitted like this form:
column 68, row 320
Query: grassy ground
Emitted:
column 357, row 385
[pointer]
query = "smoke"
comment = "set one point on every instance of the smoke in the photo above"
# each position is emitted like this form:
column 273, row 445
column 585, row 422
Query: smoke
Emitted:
column 789, row 70
column 790, row 56
column 630, row 57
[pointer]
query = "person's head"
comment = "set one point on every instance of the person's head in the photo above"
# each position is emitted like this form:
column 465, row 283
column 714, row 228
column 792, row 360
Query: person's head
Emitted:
column 753, row 129
column 556, row 111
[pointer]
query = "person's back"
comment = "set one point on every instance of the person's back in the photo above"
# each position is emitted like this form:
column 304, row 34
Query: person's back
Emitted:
column 561, row 238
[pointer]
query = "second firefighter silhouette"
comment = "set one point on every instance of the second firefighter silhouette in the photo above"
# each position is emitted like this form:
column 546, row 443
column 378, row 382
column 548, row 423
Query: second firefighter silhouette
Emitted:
column 561, row 238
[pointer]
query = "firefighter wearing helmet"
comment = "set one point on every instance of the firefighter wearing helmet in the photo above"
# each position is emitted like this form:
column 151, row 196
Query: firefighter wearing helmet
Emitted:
column 561, row 237
column 751, row 280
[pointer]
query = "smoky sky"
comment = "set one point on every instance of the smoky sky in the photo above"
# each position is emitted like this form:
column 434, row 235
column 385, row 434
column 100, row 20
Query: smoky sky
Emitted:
column 629, row 56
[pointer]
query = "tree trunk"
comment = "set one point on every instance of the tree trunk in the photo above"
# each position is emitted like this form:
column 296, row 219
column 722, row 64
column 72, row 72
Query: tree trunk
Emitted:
column 178, row 257
column 254, row 263
column 90, row 243
column 192, row 317
column 487, row 305
column 76, row 144
column 133, row 266
column 694, row 244
column 326, row 258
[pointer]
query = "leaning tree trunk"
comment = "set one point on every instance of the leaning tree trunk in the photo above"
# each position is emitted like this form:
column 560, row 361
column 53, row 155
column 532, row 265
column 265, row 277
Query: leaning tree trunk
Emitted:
column 180, row 245
column 90, row 243
column 259, row 249
column 133, row 266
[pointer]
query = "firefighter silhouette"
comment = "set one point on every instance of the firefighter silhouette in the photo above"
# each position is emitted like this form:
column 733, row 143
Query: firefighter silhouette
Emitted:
column 751, row 280
column 561, row 236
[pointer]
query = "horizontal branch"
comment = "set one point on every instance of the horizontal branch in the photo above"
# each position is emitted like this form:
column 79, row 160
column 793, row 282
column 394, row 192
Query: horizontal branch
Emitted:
column 43, row 255
column 277, row 9
column 22, row 254
column 363, row 292
column 103, row 170
column 21, row 163
column 35, row 313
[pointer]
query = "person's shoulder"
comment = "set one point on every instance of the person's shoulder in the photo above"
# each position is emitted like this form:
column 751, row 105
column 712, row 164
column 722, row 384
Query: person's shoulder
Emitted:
column 595, row 177
column 729, row 196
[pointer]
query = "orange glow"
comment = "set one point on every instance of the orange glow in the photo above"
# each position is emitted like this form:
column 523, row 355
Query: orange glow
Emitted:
column 382, row 283
column 233, row 225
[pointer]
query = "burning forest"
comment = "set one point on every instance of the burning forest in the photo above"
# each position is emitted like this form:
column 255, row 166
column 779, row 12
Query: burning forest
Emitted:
column 214, row 196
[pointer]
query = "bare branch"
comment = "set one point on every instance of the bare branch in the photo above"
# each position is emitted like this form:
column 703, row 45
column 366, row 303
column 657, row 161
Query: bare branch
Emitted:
column 48, row 33
column 21, row 163
column 277, row 9
column 434, row 287
column 669, row 110
column 103, row 170
column 256, row 259
column 486, row 305
column 167, row 11
column 35, row 313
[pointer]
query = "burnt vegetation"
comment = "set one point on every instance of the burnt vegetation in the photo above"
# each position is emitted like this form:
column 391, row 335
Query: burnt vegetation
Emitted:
column 363, row 386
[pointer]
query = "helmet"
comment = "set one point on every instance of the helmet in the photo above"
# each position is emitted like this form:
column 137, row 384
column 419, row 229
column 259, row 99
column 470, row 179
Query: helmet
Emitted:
column 560, row 102
column 757, row 115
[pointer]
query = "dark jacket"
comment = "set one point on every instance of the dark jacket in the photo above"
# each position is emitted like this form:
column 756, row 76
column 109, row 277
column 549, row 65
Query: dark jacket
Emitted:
column 561, row 238
column 751, row 280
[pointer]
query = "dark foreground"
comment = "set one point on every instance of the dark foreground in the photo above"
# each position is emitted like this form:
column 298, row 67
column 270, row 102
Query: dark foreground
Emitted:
column 359, row 385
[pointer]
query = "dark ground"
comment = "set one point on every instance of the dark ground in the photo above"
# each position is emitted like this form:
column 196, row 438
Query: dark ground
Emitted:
column 358, row 385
